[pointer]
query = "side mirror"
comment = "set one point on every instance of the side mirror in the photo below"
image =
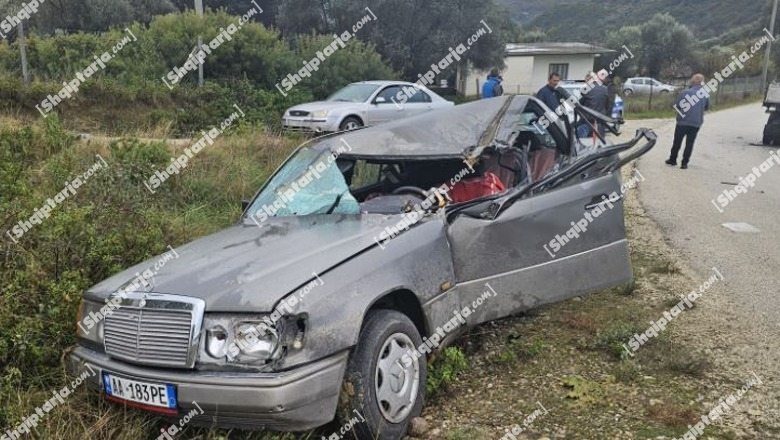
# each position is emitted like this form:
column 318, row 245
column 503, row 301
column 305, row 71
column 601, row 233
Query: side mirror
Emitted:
column 380, row 100
column 244, row 205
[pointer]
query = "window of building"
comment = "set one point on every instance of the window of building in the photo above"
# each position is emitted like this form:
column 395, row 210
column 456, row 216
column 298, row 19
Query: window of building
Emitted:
column 562, row 69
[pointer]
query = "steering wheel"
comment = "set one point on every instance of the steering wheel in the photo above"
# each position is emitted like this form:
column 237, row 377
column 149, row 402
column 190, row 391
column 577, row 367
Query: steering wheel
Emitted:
column 410, row 189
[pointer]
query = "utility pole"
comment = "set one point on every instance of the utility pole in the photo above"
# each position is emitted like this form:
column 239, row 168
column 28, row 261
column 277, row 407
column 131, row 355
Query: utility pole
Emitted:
column 199, row 10
column 764, row 77
column 23, row 50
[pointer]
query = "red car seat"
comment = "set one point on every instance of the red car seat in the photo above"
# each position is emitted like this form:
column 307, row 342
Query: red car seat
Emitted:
column 475, row 187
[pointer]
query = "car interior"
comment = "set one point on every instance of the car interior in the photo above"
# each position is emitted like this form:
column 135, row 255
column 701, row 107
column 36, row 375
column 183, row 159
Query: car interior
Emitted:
column 529, row 153
column 392, row 187
column 524, row 158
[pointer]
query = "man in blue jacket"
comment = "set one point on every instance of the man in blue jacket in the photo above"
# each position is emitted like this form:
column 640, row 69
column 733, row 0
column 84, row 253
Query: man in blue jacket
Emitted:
column 548, row 94
column 492, row 86
column 690, row 106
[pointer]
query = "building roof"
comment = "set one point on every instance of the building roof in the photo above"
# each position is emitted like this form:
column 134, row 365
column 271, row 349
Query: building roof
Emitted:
column 523, row 49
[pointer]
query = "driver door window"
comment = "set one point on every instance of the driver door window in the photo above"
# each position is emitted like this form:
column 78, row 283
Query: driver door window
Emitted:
column 389, row 94
column 387, row 110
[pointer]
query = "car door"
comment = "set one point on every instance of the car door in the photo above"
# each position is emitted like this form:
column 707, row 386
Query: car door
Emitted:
column 383, row 107
column 642, row 86
column 419, row 103
column 655, row 86
column 525, row 246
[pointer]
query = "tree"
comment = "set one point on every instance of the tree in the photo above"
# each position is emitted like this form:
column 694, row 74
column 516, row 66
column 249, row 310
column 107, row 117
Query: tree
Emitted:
column 414, row 34
column 303, row 16
column 664, row 41
column 92, row 15
column 234, row 7
column 660, row 45
column 535, row 35
column 630, row 37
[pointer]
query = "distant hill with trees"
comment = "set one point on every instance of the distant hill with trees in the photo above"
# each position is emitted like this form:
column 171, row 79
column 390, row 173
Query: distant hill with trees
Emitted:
column 590, row 20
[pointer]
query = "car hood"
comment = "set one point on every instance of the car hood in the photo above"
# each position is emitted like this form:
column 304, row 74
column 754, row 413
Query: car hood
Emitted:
column 248, row 269
column 324, row 105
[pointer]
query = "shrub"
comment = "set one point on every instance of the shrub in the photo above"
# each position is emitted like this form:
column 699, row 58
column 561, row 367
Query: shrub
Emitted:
column 445, row 369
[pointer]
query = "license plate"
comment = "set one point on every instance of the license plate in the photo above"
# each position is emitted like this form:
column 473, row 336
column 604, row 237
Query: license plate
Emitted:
column 161, row 395
column 294, row 123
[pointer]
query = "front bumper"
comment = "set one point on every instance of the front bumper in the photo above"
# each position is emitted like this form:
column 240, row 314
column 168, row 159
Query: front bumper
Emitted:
column 310, row 125
column 295, row 400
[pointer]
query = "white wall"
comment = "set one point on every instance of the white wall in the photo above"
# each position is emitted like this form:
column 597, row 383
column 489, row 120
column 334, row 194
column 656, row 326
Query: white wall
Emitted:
column 579, row 66
column 527, row 74
column 517, row 73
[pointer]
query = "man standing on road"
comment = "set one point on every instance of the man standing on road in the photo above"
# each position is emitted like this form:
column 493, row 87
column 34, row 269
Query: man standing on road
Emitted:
column 547, row 94
column 611, row 92
column 690, row 106
column 597, row 98
column 492, row 86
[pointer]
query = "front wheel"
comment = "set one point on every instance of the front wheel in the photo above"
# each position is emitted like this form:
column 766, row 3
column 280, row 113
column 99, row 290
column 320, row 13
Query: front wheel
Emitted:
column 350, row 123
column 628, row 92
column 381, row 384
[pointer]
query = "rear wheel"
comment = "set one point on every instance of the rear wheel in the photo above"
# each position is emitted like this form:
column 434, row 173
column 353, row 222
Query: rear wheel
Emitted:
column 379, row 386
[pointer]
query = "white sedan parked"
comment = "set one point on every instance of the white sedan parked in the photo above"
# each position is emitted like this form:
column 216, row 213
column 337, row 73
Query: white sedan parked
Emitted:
column 362, row 104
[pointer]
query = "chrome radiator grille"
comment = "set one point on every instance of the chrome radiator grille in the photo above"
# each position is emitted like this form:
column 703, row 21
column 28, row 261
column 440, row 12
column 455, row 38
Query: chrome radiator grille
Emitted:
column 154, row 331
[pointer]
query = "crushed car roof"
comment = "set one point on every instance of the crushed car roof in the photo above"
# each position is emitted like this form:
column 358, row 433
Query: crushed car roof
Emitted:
column 445, row 133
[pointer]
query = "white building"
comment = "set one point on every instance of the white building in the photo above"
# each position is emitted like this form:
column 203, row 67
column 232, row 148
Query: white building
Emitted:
column 529, row 65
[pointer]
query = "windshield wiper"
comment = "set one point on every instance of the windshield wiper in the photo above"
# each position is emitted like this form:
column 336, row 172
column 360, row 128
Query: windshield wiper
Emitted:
column 335, row 204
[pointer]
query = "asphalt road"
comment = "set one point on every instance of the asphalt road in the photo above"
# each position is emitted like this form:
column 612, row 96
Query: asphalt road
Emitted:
column 680, row 201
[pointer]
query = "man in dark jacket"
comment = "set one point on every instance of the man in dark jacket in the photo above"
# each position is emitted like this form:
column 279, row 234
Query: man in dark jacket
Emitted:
column 492, row 86
column 547, row 94
column 612, row 92
column 597, row 98
column 690, row 106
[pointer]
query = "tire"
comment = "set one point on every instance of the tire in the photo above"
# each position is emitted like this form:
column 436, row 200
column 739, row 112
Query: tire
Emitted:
column 374, row 368
column 664, row 92
column 350, row 123
column 628, row 92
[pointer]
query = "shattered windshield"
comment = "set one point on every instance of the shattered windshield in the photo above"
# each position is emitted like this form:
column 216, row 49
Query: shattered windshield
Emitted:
column 308, row 183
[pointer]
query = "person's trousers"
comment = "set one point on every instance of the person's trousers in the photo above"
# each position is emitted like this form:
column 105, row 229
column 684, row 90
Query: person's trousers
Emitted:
column 680, row 132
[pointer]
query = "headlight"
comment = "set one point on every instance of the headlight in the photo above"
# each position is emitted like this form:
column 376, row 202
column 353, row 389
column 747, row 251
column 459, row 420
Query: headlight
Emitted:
column 319, row 114
column 241, row 340
column 216, row 342
column 256, row 341
column 88, row 324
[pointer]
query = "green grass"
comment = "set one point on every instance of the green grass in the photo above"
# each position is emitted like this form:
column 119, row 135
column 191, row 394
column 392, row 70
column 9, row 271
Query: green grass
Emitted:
column 111, row 223
column 662, row 107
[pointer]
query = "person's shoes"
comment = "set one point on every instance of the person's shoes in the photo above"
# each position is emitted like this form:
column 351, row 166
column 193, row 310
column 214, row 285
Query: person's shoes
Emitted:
column 684, row 166
column 671, row 162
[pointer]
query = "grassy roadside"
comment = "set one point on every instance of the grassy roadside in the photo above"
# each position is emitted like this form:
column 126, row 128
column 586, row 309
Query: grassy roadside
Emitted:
column 667, row 111
column 111, row 223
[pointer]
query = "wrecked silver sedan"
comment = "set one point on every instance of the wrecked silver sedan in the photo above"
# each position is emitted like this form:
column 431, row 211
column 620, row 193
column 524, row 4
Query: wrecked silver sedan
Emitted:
column 364, row 253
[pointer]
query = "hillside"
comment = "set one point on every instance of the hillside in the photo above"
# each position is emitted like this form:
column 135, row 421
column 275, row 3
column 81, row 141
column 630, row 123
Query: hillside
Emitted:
column 588, row 20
